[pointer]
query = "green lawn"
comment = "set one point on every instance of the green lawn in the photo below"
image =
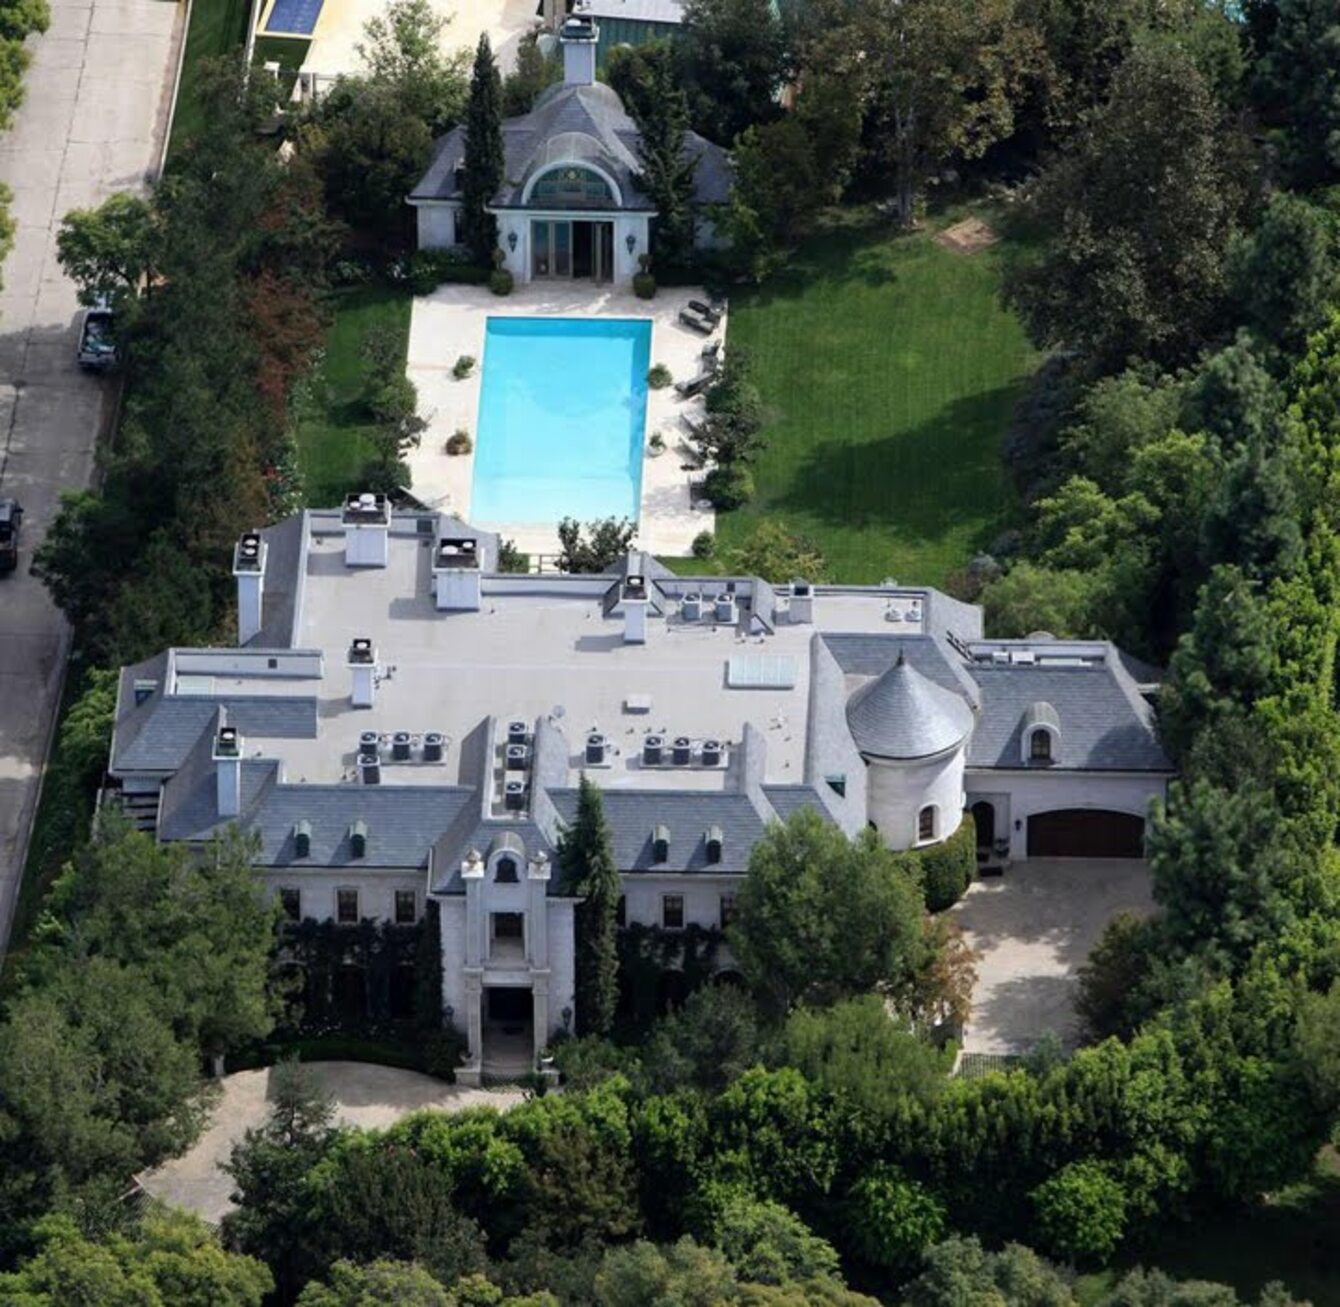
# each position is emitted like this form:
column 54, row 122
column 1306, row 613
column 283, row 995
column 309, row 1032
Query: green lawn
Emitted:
column 1292, row 1239
column 217, row 27
column 332, row 425
column 890, row 371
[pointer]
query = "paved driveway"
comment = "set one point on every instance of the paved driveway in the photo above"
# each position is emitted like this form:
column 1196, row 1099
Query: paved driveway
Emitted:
column 97, row 95
column 1034, row 926
column 364, row 1095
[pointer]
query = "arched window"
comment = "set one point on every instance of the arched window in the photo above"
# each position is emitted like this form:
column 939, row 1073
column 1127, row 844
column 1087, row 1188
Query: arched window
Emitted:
column 571, row 187
column 1040, row 746
column 506, row 873
column 926, row 822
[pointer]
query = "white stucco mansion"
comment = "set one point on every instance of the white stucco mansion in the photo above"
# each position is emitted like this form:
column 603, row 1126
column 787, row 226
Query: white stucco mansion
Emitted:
column 569, row 207
column 399, row 722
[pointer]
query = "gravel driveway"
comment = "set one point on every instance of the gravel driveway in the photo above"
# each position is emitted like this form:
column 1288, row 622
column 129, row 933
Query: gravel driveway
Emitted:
column 1034, row 926
column 364, row 1095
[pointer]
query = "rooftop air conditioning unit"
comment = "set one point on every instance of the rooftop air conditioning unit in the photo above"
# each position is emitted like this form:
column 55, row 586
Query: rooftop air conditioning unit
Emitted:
column 711, row 753
column 653, row 747
column 725, row 608
column 597, row 746
column 518, row 757
column 400, row 743
column 433, row 744
column 681, row 752
column 1023, row 658
column 370, row 768
column 1001, row 657
column 691, row 610
column 370, row 742
column 514, row 796
column 518, row 732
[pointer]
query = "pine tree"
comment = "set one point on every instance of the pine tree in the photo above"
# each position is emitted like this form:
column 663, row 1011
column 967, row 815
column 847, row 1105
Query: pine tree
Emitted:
column 483, row 155
column 586, row 856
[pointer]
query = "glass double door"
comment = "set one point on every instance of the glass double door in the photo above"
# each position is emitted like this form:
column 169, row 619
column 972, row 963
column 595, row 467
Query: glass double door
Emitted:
column 565, row 248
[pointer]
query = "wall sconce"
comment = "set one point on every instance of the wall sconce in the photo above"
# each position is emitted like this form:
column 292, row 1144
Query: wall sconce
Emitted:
column 631, row 242
column 511, row 241
column 567, row 1018
column 447, row 1013
column 1018, row 823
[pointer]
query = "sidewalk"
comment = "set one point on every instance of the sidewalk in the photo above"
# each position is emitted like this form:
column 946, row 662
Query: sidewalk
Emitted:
column 97, row 97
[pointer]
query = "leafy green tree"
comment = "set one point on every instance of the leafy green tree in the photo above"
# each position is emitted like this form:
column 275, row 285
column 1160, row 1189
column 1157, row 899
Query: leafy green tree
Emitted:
column 1285, row 276
column 168, row 1259
column 961, row 1271
column 1298, row 83
column 706, row 1043
column 776, row 195
column 273, row 1219
column 734, row 63
column 1154, row 1288
column 1134, row 266
column 1233, row 396
column 108, row 252
column 856, row 1051
column 1033, row 598
column 531, row 75
column 767, row 1243
column 605, row 543
column 483, row 171
column 403, row 51
column 381, row 1281
column 168, row 601
column 647, row 80
column 778, row 555
column 1110, row 977
column 1081, row 1211
column 586, row 855
column 823, row 917
column 731, row 432
column 1252, row 521
column 892, row 1220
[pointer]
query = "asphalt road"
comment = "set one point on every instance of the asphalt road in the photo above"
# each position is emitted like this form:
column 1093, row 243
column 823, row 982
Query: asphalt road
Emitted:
column 98, row 95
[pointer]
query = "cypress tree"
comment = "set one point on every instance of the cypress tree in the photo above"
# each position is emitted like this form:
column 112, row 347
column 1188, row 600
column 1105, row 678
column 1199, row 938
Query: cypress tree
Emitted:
column 483, row 155
column 586, row 856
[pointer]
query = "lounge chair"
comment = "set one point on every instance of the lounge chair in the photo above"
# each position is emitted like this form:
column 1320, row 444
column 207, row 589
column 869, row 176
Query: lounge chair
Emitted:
column 696, row 322
column 712, row 314
column 711, row 352
column 696, row 386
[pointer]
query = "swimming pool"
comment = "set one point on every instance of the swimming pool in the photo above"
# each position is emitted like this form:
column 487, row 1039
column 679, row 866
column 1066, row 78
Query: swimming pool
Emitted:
column 562, row 415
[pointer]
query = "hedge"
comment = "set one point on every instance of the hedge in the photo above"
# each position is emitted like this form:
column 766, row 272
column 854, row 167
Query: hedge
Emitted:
column 947, row 869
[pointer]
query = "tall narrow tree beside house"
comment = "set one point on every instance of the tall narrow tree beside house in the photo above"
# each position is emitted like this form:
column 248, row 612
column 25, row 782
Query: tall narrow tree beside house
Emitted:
column 483, row 155
column 586, row 855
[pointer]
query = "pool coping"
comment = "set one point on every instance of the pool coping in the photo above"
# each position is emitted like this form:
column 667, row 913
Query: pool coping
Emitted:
column 452, row 321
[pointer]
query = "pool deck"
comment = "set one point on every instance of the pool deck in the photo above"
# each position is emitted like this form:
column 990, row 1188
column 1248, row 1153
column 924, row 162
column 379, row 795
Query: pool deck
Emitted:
column 451, row 322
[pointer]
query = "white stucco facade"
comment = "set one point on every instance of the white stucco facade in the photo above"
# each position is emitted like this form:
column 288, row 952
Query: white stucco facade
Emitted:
column 898, row 793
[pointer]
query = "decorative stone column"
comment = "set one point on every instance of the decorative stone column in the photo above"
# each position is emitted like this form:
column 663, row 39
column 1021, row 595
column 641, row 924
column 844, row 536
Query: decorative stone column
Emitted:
column 471, row 1073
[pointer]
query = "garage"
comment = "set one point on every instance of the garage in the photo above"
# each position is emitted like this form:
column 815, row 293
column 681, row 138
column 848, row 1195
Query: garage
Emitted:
column 1085, row 833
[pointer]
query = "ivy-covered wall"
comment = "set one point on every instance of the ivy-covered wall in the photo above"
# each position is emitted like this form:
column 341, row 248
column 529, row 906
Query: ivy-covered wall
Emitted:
column 658, row 968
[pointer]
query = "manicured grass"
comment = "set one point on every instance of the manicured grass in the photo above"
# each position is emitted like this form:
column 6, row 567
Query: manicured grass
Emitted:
column 217, row 27
column 333, row 423
column 890, row 370
column 1291, row 1238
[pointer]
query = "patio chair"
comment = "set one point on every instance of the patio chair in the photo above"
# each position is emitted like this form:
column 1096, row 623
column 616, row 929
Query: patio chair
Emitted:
column 711, row 352
column 696, row 322
column 696, row 385
column 713, row 315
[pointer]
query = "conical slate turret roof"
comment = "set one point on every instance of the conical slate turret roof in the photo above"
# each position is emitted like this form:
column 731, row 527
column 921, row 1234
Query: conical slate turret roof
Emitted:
column 903, row 715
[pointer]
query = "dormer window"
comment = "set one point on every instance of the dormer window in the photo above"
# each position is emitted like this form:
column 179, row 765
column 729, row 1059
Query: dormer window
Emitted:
column 927, row 822
column 1040, row 746
column 1040, row 735
column 506, row 873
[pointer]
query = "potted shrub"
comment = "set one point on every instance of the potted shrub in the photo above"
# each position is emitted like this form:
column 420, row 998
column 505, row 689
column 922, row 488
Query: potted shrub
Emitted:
column 656, row 445
column 704, row 544
column 459, row 442
column 464, row 366
column 500, row 281
column 658, row 377
column 644, row 284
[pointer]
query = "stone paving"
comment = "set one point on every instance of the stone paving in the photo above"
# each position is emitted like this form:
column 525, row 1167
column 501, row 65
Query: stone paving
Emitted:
column 98, row 93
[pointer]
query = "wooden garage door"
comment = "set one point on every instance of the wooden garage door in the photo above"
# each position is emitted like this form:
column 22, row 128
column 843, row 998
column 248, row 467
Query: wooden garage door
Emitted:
column 1085, row 833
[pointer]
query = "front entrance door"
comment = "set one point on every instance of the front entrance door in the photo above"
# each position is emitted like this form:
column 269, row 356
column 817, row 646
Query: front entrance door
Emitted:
column 563, row 248
column 984, row 818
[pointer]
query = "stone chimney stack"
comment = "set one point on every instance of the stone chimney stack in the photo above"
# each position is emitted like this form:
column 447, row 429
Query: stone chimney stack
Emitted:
column 249, row 568
column 367, row 526
column 456, row 578
column 228, row 769
column 362, row 672
column 579, row 37
column 635, row 601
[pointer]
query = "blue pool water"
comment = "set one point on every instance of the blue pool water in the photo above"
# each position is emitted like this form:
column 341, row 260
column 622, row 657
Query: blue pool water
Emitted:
column 294, row 17
column 562, row 416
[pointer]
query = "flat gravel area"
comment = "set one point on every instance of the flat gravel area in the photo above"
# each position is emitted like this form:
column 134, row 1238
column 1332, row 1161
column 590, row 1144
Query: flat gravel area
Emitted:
column 364, row 1095
column 1034, row 927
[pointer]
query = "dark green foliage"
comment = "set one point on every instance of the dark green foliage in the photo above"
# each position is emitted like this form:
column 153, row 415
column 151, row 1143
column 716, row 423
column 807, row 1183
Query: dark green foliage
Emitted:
column 733, row 60
column 351, row 973
column 777, row 194
column 769, row 1244
column 960, row 1270
column 1108, row 1002
column 108, row 251
column 1298, row 84
column 892, row 1220
column 428, row 968
column 1081, row 1212
column 483, row 172
column 586, row 857
column 532, row 74
column 648, row 953
column 605, row 543
column 947, row 868
column 706, row 1044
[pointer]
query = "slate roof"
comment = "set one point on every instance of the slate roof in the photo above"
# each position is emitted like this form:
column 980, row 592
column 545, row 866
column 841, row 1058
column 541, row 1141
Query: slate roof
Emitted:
column 904, row 714
column 860, row 654
column 1104, row 723
column 283, row 561
column 471, row 831
column 573, row 123
column 158, row 735
column 635, row 11
column 788, row 799
column 688, row 813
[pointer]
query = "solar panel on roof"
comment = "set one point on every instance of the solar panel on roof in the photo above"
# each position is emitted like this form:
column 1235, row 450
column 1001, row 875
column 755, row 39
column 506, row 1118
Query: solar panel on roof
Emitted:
column 761, row 672
column 294, row 17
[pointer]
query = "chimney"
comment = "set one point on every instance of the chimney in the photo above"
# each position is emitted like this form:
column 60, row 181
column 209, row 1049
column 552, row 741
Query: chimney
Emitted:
column 367, row 524
column 228, row 769
column 802, row 603
column 362, row 671
column 635, row 603
column 456, row 578
column 249, row 568
column 578, row 37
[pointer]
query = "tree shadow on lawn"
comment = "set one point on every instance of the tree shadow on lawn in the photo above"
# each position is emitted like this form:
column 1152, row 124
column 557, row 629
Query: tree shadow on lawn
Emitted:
column 918, row 484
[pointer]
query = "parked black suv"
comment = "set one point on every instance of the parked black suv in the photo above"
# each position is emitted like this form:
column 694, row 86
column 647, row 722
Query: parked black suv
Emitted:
column 11, row 519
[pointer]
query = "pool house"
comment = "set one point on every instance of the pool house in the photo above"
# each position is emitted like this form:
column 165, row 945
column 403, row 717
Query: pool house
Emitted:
column 569, row 208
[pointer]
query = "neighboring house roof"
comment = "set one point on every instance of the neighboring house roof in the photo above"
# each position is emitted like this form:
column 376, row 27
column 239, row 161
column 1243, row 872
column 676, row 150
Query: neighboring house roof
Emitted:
column 903, row 714
column 1103, row 722
column 576, row 124
column 635, row 11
